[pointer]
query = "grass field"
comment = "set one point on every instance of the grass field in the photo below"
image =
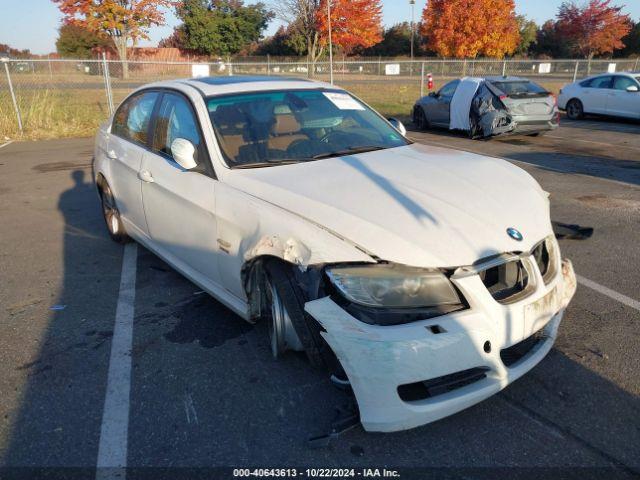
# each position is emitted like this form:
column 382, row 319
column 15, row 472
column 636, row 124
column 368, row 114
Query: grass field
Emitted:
column 52, row 112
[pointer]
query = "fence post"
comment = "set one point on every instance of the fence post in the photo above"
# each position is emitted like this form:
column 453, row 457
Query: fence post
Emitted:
column 575, row 71
column 13, row 96
column 504, row 68
column 50, row 70
column 268, row 64
column 422, row 81
column 107, row 83
column 229, row 65
column 635, row 69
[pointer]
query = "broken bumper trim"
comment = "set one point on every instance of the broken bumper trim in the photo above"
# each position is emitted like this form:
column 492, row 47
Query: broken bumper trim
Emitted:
column 379, row 359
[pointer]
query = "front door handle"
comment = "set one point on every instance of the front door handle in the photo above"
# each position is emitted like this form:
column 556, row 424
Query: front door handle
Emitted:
column 145, row 176
column 112, row 155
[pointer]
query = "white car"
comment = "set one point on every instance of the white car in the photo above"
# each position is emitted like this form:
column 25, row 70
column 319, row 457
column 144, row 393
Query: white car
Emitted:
column 426, row 278
column 613, row 94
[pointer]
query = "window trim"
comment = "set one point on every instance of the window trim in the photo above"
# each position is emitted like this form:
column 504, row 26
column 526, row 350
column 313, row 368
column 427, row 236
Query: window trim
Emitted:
column 457, row 81
column 203, row 150
column 610, row 87
column 153, row 110
column 630, row 78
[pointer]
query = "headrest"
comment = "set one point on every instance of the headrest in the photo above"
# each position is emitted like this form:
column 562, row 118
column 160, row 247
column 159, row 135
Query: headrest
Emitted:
column 229, row 115
column 286, row 124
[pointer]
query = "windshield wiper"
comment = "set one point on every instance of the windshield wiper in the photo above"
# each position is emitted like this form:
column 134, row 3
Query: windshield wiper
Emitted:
column 268, row 164
column 349, row 151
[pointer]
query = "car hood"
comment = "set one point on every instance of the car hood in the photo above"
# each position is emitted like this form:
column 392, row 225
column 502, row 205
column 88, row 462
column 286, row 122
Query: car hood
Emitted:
column 416, row 205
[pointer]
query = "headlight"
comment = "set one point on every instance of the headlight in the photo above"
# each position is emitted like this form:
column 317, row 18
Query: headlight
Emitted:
column 394, row 286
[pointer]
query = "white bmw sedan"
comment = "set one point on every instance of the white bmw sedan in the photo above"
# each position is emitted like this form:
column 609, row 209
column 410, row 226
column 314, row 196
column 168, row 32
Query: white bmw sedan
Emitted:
column 424, row 278
column 616, row 95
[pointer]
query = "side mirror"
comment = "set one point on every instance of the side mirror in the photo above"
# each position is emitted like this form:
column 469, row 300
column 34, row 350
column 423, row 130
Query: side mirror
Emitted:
column 633, row 89
column 184, row 153
column 397, row 124
column 433, row 94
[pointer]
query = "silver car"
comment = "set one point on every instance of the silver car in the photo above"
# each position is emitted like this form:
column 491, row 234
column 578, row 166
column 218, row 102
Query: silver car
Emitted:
column 524, row 107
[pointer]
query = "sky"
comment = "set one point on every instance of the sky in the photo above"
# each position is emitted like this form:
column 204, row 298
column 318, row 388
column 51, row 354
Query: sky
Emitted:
column 33, row 24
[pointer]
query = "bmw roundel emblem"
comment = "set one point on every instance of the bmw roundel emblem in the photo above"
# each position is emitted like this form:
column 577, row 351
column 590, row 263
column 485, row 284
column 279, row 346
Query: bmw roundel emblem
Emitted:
column 515, row 234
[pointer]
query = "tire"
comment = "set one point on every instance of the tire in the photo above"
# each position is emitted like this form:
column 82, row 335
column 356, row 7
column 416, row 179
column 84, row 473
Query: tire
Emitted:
column 575, row 109
column 111, row 215
column 281, row 278
column 420, row 119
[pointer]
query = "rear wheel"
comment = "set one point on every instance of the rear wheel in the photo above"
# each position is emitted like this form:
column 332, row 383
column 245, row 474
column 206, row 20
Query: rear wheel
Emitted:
column 112, row 217
column 575, row 110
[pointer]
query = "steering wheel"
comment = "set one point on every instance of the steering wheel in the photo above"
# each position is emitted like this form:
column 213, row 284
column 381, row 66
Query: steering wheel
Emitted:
column 335, row 136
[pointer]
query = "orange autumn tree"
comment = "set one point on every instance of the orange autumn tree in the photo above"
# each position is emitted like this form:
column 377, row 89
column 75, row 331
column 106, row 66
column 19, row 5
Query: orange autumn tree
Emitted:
column 469, row 28
column 123, row 21
column 594, row 28
column 354, row 23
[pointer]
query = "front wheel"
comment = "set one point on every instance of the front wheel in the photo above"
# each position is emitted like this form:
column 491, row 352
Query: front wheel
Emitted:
column 420, row 119
column 575, row 110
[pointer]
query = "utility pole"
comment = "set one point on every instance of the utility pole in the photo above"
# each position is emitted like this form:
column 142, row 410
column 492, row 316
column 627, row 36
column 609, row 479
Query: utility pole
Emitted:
column 413, row 4
column 330, row 43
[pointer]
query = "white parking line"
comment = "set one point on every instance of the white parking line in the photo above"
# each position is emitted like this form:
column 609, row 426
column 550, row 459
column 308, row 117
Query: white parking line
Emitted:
column 628, row 301
column 112, row 450
column 6, row 143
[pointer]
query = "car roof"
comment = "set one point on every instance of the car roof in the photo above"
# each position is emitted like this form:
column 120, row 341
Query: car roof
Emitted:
column 606, row 74
column 221, row 85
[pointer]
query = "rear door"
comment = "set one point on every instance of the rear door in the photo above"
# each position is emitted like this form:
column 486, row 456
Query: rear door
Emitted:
column 440, row 109
column 180, row 204
column 594, row 94
column 126, row 146
column 622, row 103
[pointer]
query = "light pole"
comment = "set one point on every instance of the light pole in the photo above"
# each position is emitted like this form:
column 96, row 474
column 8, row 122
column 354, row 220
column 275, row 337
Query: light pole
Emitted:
column 413, row 4
column 330, row 43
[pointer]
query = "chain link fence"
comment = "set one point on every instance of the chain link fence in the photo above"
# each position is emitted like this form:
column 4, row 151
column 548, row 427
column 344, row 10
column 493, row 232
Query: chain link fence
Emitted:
column 50, row 98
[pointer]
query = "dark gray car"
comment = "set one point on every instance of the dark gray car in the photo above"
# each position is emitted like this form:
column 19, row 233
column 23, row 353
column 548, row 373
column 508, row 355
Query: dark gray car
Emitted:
column 530, row 108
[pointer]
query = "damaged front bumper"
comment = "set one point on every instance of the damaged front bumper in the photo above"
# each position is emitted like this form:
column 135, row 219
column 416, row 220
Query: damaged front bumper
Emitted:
column 408, row 375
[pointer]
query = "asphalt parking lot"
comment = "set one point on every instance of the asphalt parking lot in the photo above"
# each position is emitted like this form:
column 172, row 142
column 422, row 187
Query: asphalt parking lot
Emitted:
column 204, row 388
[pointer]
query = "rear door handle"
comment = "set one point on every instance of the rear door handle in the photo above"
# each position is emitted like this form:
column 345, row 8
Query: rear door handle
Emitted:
column 112, row 155
column 145, row 176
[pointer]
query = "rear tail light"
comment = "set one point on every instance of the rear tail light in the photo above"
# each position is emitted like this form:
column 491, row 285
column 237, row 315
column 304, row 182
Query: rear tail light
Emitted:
column 503, row 97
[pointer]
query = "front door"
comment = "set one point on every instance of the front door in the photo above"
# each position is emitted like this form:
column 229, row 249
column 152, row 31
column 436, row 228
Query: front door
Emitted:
column 180, row 204
column 622, row 103
column 442, row 108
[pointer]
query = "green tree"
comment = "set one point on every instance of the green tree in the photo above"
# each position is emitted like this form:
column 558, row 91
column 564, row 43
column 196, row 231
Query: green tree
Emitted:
column 396, row 41
column 550, row 42
column 631, row 42
column 75, row 41
column 285, row 42
column 221, row 27
column 528, row 34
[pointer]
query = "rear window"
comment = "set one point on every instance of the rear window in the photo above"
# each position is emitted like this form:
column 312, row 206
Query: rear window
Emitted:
column 521, row 89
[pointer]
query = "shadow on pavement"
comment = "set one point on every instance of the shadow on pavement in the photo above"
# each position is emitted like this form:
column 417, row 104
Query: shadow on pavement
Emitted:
column 207, row 392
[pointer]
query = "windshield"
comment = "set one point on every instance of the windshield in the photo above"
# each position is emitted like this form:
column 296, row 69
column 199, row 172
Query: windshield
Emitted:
column 521, row 89
column 271, row 128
